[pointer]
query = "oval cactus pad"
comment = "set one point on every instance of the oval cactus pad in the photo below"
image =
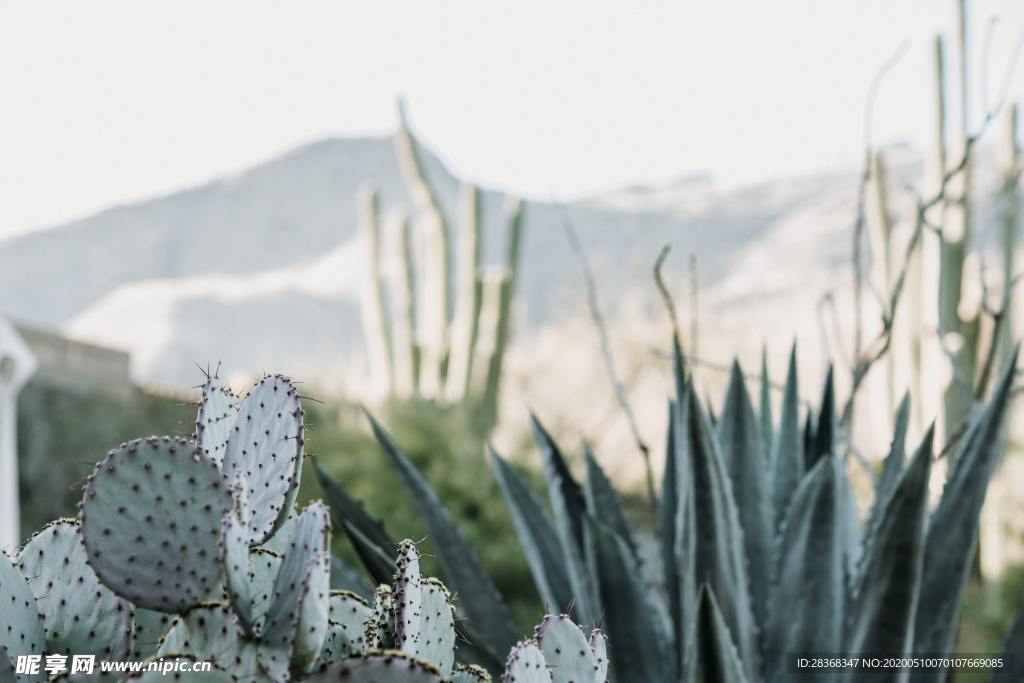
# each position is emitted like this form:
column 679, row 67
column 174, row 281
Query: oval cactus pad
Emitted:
column 266, row 446
column 151, row 522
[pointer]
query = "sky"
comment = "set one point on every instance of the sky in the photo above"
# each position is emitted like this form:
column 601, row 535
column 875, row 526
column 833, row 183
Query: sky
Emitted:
column 108, row 102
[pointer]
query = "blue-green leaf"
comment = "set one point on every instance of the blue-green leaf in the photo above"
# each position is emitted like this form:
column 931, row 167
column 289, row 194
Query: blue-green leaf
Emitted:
column 537, row 535
column 953, row 528
column 823, row 442
column 486, row 615
column 788, row 459
column 603, row 500
column 809, row 597
column 765, row 407
column 712, row 656
column 892, row 467
column 739, row 435
column 349, row 511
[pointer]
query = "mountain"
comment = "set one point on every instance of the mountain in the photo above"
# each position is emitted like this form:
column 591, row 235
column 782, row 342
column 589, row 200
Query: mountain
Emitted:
column 261, row 269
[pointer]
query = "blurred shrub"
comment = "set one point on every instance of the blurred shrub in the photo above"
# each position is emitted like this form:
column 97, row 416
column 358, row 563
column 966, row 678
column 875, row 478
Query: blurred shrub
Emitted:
column 442, row 443
column 989, row 611
column 64, row 430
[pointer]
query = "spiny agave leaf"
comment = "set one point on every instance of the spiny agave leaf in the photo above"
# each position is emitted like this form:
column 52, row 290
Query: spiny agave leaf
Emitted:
column 738, row 434
column 351, row 612
column 788, row 457
column 718, row 556
column 210, row 631
column 567, row 652
column 569, row 505
column 21, row 628
column 80, row 615
column 263, row 568
column 526, row 664
column 712, row 656
column 668, row 509
column 892, row 467
column 603, row 500
column 345, row 577
column 537, row 535
column 765, row 407
column 882, row 612
column 351, row 511
column 487, row 617
column 150, row 522
column 1012, row 653
column 218, row 411
column 808, row 601
column 296, row 623
column 823, row 442
column 679, row 369
column 470, row 673
column 852, row 543
column 379, row 667
column 147, row 630
column 266, row 446
column 635, row 622
column 599, row 646
column 376, row 560
column 954, row 527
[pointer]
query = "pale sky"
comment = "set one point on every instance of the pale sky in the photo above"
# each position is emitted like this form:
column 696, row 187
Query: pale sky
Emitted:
column 109, row 102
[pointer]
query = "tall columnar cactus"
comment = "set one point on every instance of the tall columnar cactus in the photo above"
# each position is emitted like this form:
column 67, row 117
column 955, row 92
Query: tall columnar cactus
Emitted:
column 375, row 319
column 437, row 350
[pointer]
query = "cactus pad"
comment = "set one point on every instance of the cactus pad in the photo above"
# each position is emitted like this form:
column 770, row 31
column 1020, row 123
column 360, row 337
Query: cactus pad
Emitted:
column 266, row 446
column 313, row 615
column 599, row 646
column 236, row 568
column 80, row 615
column 6, row 667
column 218, row 411
column 210, row 631
column 151, row 518
column 149, row 627
column 566, row 650
column 263, row 568
column 350, row 612
column 526, row 664
column 379, row 667
column 21, row 628
column 470, row 673
column 336, row 645
column 379, row 631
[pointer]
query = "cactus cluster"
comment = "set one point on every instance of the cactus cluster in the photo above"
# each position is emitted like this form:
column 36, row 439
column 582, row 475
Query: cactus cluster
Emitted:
column 437, row 330
column 763, row 548
column 194, row 550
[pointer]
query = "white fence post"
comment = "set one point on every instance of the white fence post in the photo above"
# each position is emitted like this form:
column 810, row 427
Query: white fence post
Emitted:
column 17, row 364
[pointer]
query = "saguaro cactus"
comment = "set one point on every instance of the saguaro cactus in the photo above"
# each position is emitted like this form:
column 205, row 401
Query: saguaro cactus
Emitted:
column 406, row 351
column 467, row 295
column 375, row 319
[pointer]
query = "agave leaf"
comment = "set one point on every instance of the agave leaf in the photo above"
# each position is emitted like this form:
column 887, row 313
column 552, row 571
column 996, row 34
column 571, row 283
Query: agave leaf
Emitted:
column 349, row 511
column 953, row 527
column 738, row 433
column 345, row 577
column 569, row 504
column 487, row 617
column 892, row 468
column 718, row 548
column 537, row 535
column 850, row 523
column 882, row 612
column 636, row 623
column 808, row 600
column 712, row 656
column 603, row 500
column 788, row 459
column 668, row 510
column 378, row 563
column 1012, row 653
column 765, row 407
column 823, row 442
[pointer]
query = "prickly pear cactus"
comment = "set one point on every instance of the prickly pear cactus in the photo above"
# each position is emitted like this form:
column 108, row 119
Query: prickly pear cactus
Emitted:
column 218, row 412
column 21, row 628
column 151, row 519
column 211, row 632
column 526, row 664
column 80, row 615
column 424, row 617
column 566, row 650
column 266, row 447
column 379, row 667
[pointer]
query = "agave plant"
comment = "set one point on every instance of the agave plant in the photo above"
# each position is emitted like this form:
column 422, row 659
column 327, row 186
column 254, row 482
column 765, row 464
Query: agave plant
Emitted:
column 764, row 553
column 193, row 551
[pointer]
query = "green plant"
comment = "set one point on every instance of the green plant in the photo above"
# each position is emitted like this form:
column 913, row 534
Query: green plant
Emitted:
column 763, row 554
column 194, row 549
